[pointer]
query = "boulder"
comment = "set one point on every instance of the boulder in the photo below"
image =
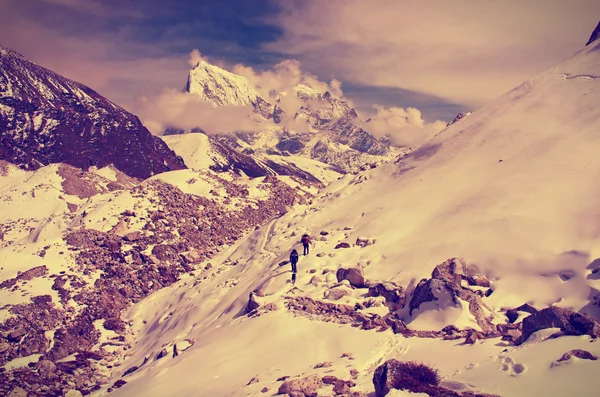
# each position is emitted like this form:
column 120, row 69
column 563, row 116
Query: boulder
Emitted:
column 73, row 393
column 315, row 280
column 445, row 287
column 354, row 275
column 307, row 387
column 253, row 380
column 324, row 233
column 570, row 322
column 343, row 244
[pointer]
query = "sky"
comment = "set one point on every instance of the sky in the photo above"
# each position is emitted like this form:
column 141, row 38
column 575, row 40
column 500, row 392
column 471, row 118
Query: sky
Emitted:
column 435, row 57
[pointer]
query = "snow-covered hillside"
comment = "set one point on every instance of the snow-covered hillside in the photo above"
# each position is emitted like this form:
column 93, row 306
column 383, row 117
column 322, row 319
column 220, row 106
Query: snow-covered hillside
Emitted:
column 512, row 189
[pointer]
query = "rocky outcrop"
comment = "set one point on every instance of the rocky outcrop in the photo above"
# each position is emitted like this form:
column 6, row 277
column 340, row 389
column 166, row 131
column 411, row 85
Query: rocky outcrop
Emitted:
column 594, row 36
column 570, row 323
column 581, row 354
column 46, row 118
column 445, row 287
column 513, row 314
column 364, row 242
column 354, row 275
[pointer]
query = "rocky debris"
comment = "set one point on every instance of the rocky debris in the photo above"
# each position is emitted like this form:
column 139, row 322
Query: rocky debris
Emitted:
column 325, row 364
column 73, row 393
column 354, row 373
column 343, row 244
column 513, row 314
column 191, row 231
column 320, row 254
column 471, row 338
column 45, row 367
column 582, row 354
column 570, row 323
column 281, row 379
column 364, row 241
column 264, row 390
column 338, row 313
column 445, row 287
column 324, row 233
column 302, row 387
column 394, row 294
column 354, row 275
column 28, row 275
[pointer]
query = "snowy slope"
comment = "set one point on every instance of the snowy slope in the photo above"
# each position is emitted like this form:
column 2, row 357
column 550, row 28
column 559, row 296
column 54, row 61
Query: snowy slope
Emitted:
column 512, row 189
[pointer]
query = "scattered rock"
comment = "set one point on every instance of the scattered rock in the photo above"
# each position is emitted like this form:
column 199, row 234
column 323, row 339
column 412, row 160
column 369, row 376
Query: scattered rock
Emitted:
column 253, row 303
column 74, row 393
column 315, row 280
column 324, row 233
column 320, row 254
column 343, row 244
column 354, row 373
column 471, row 338
column 364, row 241
column 325, row 364
column 354, row 275
column 264, row 390
column 253, row 380
column 281, row 379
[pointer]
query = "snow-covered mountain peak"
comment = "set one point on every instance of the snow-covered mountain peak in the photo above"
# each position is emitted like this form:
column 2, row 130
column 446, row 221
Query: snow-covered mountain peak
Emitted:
column 220, row 87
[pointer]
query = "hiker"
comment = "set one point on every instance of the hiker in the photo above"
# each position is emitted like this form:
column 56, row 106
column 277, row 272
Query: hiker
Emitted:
column 294, row 260
column 305, row 241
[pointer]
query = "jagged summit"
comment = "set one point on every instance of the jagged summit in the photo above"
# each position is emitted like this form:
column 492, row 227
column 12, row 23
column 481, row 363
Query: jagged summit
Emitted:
column 595, row 35
column 221, row 87
column 46, row 118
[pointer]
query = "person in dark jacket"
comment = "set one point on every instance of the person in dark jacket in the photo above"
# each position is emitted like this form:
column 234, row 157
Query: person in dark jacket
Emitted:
column 305, row 242
column 294, row 260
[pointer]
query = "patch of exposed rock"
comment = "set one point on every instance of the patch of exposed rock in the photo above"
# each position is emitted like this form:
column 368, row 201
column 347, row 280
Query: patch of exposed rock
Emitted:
column 354, row 275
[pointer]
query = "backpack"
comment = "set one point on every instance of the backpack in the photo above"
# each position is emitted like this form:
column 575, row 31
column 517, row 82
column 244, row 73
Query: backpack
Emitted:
column 304, row 239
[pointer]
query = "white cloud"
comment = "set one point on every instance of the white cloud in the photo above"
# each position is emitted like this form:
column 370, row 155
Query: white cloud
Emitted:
column 182, row 110
column 405, row 127
column 464, row 51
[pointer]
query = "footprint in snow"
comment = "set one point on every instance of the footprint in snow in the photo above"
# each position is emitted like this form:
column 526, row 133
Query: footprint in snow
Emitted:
column 508, row 364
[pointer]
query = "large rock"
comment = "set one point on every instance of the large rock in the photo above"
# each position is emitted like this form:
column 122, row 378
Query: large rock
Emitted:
column 364, row 241
column 444, row 289
column 354, row 275
column 45, row 367
column 570, row 323
column 335, row 294
column 304, row 387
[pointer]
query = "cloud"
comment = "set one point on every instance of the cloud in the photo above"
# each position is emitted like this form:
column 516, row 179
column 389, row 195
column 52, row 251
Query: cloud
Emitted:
column 177, row 109
column 282, row 78
column 405, row 127
column 464, row 51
